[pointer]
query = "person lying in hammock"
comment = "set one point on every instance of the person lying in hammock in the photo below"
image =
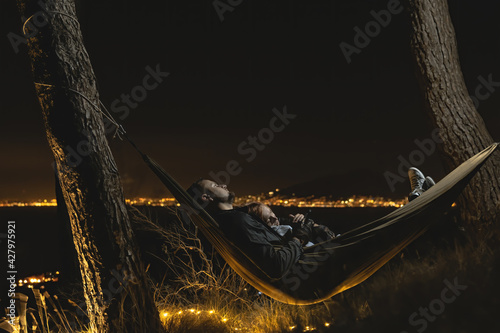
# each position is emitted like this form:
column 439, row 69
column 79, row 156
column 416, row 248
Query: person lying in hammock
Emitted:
column 253, row 237
column 272, row 252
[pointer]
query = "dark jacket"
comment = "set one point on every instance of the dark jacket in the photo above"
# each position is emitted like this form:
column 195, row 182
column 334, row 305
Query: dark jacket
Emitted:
column 263, row 245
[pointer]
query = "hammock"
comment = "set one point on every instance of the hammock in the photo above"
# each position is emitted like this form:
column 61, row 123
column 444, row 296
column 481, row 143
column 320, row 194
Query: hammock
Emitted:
column 333, row 266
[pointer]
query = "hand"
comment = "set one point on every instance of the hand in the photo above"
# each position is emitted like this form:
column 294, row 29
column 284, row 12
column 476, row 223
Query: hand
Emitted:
column 297, row 218
column 303, row 232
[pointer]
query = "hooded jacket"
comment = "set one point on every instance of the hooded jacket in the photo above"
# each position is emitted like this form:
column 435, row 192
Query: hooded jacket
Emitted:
column 263, row 245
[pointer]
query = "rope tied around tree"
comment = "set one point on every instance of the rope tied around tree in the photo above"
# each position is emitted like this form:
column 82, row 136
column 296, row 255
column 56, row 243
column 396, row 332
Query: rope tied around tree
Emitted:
column 119, row 130
column 49, row 11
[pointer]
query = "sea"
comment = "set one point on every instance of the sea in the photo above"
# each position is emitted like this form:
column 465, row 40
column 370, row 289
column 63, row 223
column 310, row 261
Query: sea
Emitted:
column 42, row 239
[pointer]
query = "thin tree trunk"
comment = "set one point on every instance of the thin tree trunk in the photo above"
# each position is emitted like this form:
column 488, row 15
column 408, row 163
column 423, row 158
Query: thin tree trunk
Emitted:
column 450, row 108
column 89, row 178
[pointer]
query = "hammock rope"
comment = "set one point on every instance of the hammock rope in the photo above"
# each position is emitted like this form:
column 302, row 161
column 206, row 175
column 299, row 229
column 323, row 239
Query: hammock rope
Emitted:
column 332, row 266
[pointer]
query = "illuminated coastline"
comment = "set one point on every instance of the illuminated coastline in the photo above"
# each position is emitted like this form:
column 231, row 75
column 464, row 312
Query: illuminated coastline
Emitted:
column 37, row 203
column 271, row 199
column 323, row 201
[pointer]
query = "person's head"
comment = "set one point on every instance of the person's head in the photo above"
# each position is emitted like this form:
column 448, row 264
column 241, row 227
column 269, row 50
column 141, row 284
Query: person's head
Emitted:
column 263, row 212
column 209, row 194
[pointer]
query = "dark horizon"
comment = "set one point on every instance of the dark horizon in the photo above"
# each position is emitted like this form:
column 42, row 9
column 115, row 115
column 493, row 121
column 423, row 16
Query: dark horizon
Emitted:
column 354, row 121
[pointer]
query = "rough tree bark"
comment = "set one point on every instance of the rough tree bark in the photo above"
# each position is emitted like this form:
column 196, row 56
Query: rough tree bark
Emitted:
column 89, row 178
column 451, row 109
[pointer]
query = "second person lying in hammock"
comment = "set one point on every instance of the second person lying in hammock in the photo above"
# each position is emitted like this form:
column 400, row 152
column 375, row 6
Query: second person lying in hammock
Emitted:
column 274, row 253
column 265, row 214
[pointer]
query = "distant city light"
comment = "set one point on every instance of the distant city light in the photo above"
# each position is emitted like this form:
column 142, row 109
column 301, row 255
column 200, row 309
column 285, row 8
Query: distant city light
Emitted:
column 38, row 279
column 272, row 198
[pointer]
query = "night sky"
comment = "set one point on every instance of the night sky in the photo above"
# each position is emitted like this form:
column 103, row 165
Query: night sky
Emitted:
column 226, row 77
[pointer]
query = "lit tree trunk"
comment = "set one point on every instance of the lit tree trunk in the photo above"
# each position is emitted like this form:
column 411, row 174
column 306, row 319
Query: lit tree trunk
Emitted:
column 451, row 109
column 66, row 87
column 69, row 265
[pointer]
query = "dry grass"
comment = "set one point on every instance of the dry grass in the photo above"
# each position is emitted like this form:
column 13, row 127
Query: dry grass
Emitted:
column 50, row 316
column 194, row 293
column 197, row 294
column 383, row 303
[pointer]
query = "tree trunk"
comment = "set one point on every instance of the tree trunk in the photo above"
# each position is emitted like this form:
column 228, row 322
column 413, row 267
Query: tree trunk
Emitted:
column 66, row 87
column 69, row 266
column 450, row 108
